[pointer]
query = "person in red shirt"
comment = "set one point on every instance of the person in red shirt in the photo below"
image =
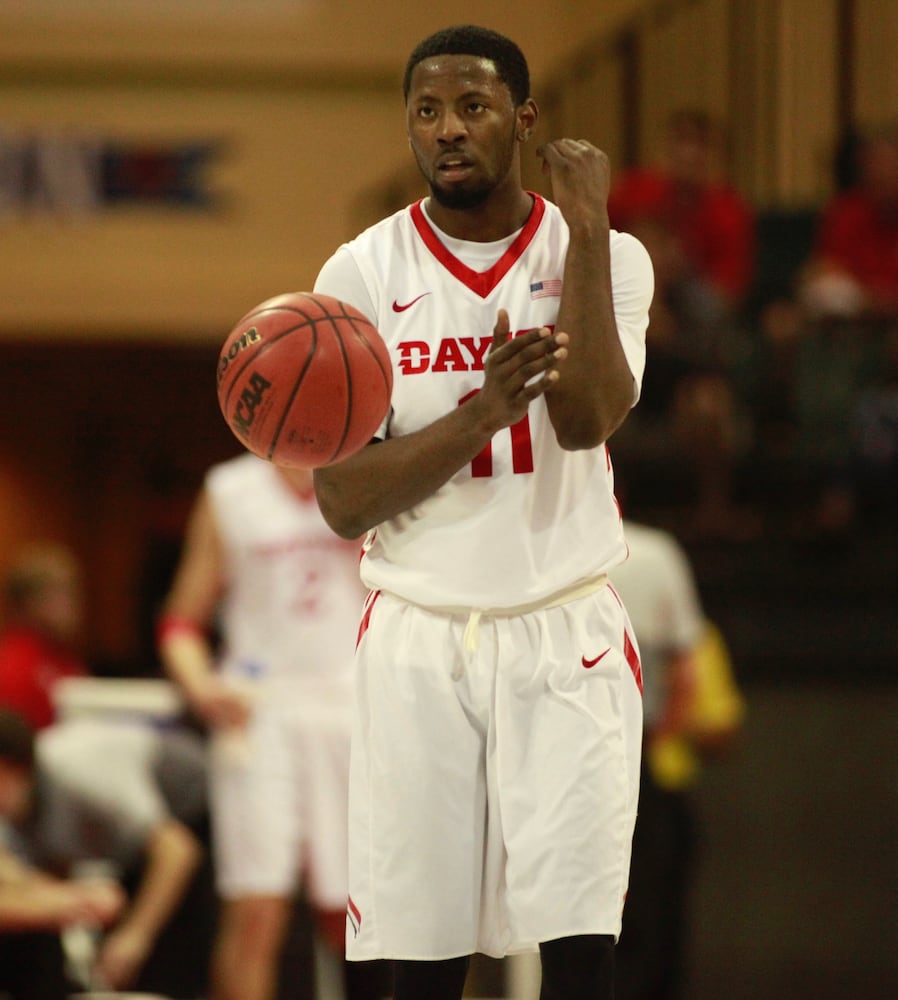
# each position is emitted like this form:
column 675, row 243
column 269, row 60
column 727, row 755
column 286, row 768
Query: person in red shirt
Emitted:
column 704, row 230
column 42, row 623
column 853, row 270
column 700, row 234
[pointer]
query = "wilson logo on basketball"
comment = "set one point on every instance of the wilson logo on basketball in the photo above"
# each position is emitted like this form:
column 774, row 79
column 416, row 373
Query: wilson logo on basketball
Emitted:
column 250, row 398
column 250, row 336
column 305, row 380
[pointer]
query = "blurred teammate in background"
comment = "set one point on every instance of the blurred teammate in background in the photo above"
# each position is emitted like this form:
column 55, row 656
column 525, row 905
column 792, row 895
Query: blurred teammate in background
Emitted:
column 692, row 710
column 262, row 568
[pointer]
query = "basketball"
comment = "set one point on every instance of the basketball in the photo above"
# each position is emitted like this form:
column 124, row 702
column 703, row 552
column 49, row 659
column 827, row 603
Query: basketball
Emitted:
column 304, row 380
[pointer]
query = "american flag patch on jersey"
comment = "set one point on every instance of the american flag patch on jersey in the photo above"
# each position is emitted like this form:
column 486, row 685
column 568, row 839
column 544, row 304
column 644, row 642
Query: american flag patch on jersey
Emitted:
column 550, row 288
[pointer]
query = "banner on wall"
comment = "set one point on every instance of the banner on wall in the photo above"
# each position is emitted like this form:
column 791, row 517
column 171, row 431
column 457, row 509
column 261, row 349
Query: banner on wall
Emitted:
column 57, row 174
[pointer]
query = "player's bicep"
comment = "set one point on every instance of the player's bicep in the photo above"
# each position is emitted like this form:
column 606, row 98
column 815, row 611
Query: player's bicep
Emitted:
column 633, row 283
column 200, row 576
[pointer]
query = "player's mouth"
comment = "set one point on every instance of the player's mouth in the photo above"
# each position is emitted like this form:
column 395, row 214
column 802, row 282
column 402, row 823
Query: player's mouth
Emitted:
column 454, row 167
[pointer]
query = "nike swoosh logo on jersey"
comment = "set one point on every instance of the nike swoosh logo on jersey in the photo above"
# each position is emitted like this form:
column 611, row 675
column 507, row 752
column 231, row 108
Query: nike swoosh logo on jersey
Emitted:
column 591, row 663
column 401, row 308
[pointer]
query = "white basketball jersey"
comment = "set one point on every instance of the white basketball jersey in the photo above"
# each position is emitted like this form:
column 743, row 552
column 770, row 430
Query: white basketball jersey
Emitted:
column 525, row 519
column 293, row 597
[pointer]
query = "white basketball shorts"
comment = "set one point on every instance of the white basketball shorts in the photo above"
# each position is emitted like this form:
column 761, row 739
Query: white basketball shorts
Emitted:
column 279, row 796
column 493, row 790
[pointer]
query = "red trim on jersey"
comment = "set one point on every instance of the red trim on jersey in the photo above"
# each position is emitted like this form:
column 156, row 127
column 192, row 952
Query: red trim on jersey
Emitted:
column 366, row 617
column 632, row 657
column 481, row 282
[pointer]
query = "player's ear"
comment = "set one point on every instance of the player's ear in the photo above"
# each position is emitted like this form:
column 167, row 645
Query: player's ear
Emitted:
column 527, row 115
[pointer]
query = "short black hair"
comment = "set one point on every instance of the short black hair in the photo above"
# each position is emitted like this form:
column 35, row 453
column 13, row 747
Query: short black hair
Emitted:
column 470, row 40
column 16, row 739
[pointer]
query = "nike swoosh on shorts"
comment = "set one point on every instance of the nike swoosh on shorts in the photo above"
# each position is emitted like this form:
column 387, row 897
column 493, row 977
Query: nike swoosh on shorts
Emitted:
column 591, row 663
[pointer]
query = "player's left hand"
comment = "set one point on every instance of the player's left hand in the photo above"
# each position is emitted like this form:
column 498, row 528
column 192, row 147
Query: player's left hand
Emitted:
column 517, row 370
column 581, row 178
column 122, row 954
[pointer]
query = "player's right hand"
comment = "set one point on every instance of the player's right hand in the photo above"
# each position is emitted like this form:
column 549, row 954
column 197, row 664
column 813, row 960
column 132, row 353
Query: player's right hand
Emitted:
column 581, row 179
column 518, row 370
column 221, row 706
column 101, row 900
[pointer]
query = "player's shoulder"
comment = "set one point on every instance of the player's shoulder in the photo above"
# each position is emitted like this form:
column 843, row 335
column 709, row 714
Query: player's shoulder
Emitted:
column 384, row 229
column 237, row 472
column 630, row 258
column 626, row 244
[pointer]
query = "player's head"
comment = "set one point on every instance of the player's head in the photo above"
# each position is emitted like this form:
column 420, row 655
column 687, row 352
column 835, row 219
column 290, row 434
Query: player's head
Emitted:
column 42, row 587
column 471, row 40
column 467, row 111
column 695, row 146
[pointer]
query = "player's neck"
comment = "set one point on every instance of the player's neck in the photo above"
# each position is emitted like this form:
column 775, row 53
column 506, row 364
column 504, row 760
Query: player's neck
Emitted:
column 498, row 217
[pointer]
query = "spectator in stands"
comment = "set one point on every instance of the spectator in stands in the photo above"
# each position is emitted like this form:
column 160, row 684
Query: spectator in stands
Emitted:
column 700, row 233
column 853, row 270
column 125, row 794
column 42, row 598
column 847, row 320
column 36, row 909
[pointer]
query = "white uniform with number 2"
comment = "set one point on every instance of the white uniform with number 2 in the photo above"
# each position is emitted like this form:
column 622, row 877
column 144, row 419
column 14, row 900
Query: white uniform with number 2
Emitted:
column 497, row 737
column 290, row 617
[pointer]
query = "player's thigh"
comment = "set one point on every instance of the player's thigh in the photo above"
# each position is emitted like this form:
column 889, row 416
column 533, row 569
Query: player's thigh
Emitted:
column 324, row 748
column 421, row 748
column 417, row 791
column 568, row 770
column 256, row 817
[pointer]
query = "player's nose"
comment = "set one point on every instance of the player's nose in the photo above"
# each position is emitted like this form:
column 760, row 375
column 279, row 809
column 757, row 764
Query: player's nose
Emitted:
column 451, row 128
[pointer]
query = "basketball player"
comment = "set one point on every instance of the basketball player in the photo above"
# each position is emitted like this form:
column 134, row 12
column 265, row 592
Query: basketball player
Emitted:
column 278, row 705
column 495, row 755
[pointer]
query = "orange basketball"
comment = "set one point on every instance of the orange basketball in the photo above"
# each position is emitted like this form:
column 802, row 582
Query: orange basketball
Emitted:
column 304, row 380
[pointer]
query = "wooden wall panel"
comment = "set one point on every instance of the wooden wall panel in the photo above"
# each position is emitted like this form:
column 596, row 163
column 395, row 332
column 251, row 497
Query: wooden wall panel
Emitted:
column 876, row 71
column 286, row 162
column 685, row 64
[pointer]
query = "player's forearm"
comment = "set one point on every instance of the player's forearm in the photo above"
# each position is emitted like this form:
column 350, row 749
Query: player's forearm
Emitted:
column 14, row 872
column 388, row 478
column 594, row 392
column 35, row 904
column 173, row 856
column 33, row 900
column 186, row 658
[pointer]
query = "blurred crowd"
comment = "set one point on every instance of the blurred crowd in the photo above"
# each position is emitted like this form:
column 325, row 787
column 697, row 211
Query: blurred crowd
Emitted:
column 770, row 399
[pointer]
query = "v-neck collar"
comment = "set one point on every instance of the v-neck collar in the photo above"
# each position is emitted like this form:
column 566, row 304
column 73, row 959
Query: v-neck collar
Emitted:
column 480, row 282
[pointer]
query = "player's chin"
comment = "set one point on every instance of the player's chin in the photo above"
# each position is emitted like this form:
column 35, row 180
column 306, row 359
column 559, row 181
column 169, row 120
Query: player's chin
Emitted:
column 459, row 195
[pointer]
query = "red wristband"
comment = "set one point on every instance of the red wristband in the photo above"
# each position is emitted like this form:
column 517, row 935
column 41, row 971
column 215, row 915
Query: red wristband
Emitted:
column 169, row 625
